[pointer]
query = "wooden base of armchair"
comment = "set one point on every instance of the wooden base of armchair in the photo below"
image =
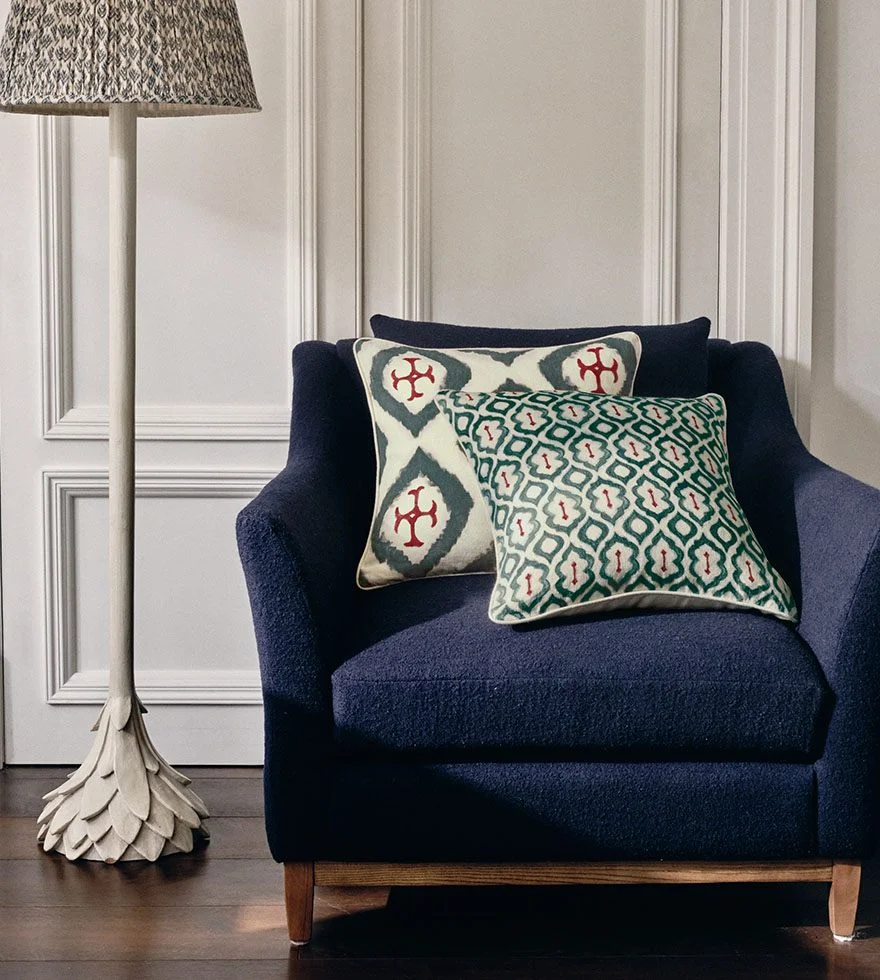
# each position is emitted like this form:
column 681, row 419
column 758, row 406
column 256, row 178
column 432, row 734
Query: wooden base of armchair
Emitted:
column 300, row 880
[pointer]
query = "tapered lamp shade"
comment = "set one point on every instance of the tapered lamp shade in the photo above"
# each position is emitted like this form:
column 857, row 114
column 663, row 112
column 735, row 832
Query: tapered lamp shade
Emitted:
column 167, row 57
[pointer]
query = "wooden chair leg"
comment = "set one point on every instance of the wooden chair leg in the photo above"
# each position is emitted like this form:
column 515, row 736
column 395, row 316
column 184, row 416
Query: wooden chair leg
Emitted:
column 299, row 895
column 843, row 900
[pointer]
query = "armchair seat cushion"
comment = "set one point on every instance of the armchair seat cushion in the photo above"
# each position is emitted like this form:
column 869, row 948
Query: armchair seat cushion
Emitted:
column 430, row 676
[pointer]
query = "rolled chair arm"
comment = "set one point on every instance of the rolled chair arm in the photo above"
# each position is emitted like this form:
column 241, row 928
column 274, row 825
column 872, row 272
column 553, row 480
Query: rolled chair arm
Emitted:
column 299, row 542
column 821, row 529
column 839, row 537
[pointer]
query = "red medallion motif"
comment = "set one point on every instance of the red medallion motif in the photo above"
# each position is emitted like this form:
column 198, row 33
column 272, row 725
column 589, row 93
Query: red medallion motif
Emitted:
column 412, row 517
column 597, row 368
column 412, row 378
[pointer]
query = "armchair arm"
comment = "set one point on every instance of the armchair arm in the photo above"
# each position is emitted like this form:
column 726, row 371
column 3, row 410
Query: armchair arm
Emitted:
column 821, row 529
column 299, row 542
column 839, row 524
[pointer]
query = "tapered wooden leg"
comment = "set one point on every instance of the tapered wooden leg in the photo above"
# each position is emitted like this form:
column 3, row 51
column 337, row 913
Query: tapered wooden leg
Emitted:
column 299, row 895
column 843, row 901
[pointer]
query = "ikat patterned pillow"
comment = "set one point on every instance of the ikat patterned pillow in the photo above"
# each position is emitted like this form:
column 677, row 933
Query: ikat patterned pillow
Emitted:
column 600, row 502
column 429, row 518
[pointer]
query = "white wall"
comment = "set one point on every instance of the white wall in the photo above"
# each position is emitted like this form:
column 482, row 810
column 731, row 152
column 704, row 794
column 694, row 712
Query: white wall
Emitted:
column 536, row 183
column 846, row 330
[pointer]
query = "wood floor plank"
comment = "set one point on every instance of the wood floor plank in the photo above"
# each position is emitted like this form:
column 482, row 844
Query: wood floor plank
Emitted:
column 37, row 772
column 182, row 880
column 52, row 881
column 18, row 838
column 231, row 797
column 143, row 933
column 222, row 772
column 303, row 966
column 237, row 837
column 231, row 837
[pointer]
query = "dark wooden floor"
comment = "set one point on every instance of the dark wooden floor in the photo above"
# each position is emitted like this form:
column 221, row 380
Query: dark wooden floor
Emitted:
column 218, row 914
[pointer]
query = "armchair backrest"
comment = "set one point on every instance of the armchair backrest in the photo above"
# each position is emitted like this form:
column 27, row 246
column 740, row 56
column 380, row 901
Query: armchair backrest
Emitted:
column 766, row 451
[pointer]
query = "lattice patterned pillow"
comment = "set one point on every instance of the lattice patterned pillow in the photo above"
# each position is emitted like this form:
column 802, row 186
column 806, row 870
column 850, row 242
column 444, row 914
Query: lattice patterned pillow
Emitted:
column 602, row 502
column 428, row 517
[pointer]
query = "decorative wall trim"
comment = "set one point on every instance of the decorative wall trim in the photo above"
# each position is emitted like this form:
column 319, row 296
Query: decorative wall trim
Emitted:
column 733, row 170
column 181, row 423
column 53, row 160
column 217, row 687
column 793, row 218
column 661, row 161
column 302, row 197
column 782, row 237
column 65, row 684
column 62, row 419
column 360, row 318
column 417, row 159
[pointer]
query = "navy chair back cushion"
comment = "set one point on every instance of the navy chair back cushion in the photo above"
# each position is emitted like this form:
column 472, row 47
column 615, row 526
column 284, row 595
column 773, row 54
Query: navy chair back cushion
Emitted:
column 674, row 357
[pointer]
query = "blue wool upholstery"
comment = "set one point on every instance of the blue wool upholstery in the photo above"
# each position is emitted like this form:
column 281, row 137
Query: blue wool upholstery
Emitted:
column 575, row 811
column 674, row 359
column 821, row 529
column 436, row 677
column 300, row 541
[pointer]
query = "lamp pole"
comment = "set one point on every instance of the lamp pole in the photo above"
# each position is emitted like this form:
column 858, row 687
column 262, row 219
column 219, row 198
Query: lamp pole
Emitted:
column 123, row 271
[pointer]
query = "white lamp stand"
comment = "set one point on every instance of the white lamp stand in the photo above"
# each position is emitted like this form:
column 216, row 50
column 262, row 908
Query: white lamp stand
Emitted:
column 124, row 802
column 124, row 59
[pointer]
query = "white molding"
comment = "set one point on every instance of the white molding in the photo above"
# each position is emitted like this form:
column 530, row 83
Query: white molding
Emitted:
column 360, row 319
column 793, row 218
column 416, row 138
column 62, row 419
column 782, row 236
column 181, row 423
column 53, row 162
column 661, row 162
column 733, row 170
column 218, row 687
column 302, row 146
column 64, row 683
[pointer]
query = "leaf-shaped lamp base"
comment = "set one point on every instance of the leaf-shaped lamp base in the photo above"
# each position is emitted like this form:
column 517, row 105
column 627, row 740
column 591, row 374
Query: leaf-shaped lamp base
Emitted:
column 124, row 803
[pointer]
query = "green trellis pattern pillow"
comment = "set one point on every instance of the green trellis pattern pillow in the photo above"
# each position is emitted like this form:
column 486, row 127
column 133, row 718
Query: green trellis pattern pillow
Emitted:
column 600, row 502
column 428, row 517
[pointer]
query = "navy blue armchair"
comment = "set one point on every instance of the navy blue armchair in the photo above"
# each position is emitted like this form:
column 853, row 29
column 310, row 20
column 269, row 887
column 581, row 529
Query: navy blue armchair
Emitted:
column 411, row 741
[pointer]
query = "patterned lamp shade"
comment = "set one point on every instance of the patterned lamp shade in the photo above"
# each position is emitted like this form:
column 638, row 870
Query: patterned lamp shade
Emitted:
column 168, row 57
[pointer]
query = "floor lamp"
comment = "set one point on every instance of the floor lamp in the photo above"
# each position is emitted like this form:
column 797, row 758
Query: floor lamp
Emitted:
column 123, row 59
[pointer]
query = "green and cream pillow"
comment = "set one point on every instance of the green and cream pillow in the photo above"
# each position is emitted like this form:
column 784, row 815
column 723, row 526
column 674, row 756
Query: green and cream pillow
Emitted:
column 428, row 517
column 599, row 502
